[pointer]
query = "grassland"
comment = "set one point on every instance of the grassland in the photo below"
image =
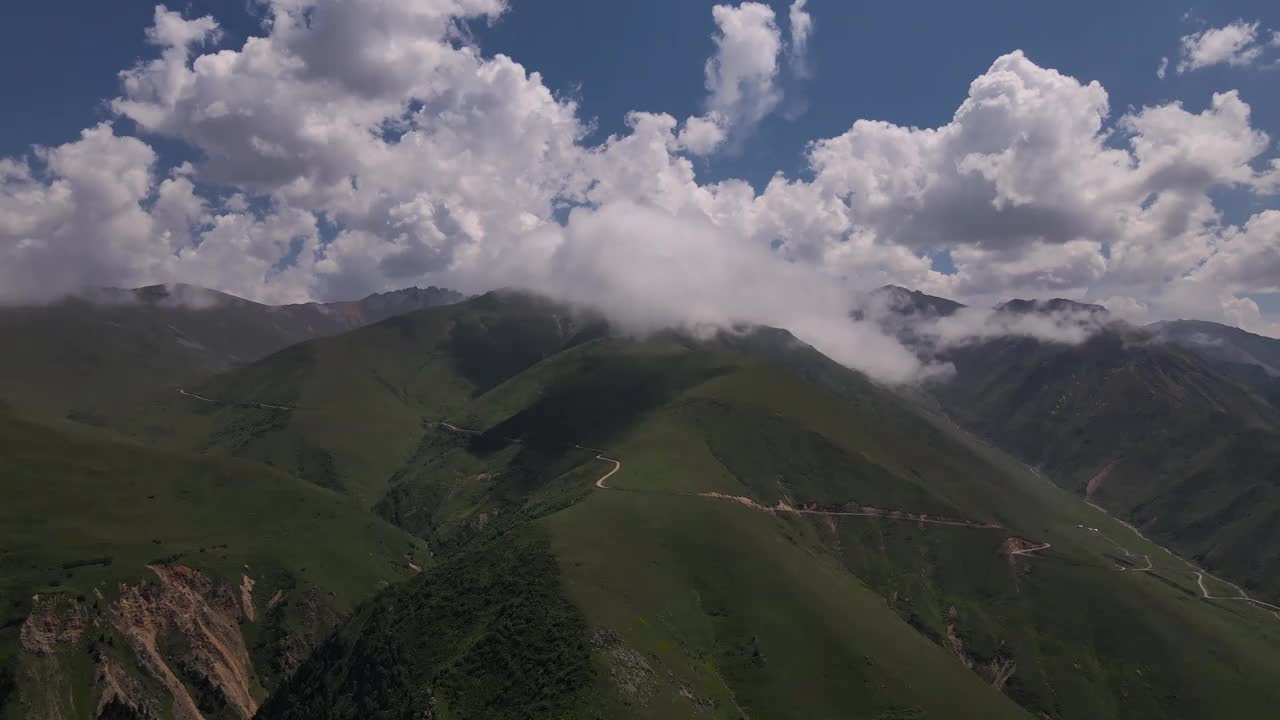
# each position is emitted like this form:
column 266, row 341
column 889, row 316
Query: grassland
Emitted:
column 698, row 605
column 84, row 516
column 661, row 595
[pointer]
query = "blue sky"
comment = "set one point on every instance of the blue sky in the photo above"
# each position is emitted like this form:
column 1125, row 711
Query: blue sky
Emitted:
column 352, row 147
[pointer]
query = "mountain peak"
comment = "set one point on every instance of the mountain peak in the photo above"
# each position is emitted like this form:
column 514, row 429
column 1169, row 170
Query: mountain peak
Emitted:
column 1053, row 305
column 906, row 301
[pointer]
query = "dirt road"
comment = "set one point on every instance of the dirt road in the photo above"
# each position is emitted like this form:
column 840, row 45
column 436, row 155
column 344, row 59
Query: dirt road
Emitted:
column 783, row 507
column 616, row 467
column 267, row 406
column 1028, row 551
column 1204, row 591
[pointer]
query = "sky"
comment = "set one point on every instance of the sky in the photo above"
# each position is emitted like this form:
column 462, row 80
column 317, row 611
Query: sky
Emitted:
column 671, row 161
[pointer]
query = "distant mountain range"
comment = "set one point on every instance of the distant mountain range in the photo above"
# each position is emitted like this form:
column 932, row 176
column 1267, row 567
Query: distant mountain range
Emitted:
column 89, row 352
column 1174, row 427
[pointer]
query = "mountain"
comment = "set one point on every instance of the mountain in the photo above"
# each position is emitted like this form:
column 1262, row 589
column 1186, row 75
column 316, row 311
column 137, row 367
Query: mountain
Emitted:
column 1054, row 305
column 144, row 584
column 766, row 533
column 1222, row 343
column 346, row 412
column 900, row 312
column 676, row 525
column 914, row 303
column 84, row 355
column 1155, row 431
column 1250, row 359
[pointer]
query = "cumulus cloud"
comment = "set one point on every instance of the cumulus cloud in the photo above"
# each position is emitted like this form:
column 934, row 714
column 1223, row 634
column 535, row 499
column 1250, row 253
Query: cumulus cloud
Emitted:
column 355, row 149
column 647, row 269
column 1233, row 44
column 1066, row 325
column 702, row 135
column 79, row 216
column 1163, row 68
column 741, row 75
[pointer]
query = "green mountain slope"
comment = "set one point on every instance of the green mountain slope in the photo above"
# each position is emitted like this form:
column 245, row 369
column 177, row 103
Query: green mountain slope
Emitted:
column 781, row 538
column 346, row 412
column 1249, row 359
column 1145, row 429
column 122, row 567
column 86, row 355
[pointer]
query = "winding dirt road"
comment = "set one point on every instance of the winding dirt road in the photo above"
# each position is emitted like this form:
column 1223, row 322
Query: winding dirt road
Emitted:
column 267, row 406
column 781, row 507
column 1204, row 591
column 616, row 467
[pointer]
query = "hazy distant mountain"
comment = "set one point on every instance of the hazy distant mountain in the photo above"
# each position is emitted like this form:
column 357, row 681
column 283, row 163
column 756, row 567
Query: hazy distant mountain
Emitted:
column 1223, row 343
column 1155, row 431
column 1174, row 427
column 915, row 303
column 1054, row 305
column 108, row 345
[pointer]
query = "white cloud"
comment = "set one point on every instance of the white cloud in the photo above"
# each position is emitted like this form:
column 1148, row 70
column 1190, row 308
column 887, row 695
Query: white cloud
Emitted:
column 80, row 217
column 741, row 76
column 800, row 23
column 374, row 117
column 1245, row 259
column 702, row 135
column 1233, row 44
column 648, row 269
column 1244, row 313
column 972, row 325
column 1163, row 68
column 1131, row 310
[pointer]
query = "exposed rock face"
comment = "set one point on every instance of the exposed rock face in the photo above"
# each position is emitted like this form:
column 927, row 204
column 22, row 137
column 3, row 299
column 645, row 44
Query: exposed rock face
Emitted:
column 246, row 597
column 54, row 620
column 207, row 614
column 117, row 688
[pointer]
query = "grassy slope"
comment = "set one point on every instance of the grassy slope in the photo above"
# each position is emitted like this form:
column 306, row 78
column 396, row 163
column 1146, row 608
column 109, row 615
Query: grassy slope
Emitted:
column 700, row 604
column 1108, row 661
column 82, row 515
column 94, row 359
column 1193, row 457
column 360, row 400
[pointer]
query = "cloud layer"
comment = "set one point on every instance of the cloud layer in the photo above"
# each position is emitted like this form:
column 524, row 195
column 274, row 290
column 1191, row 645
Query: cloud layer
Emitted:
column 361, row 147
